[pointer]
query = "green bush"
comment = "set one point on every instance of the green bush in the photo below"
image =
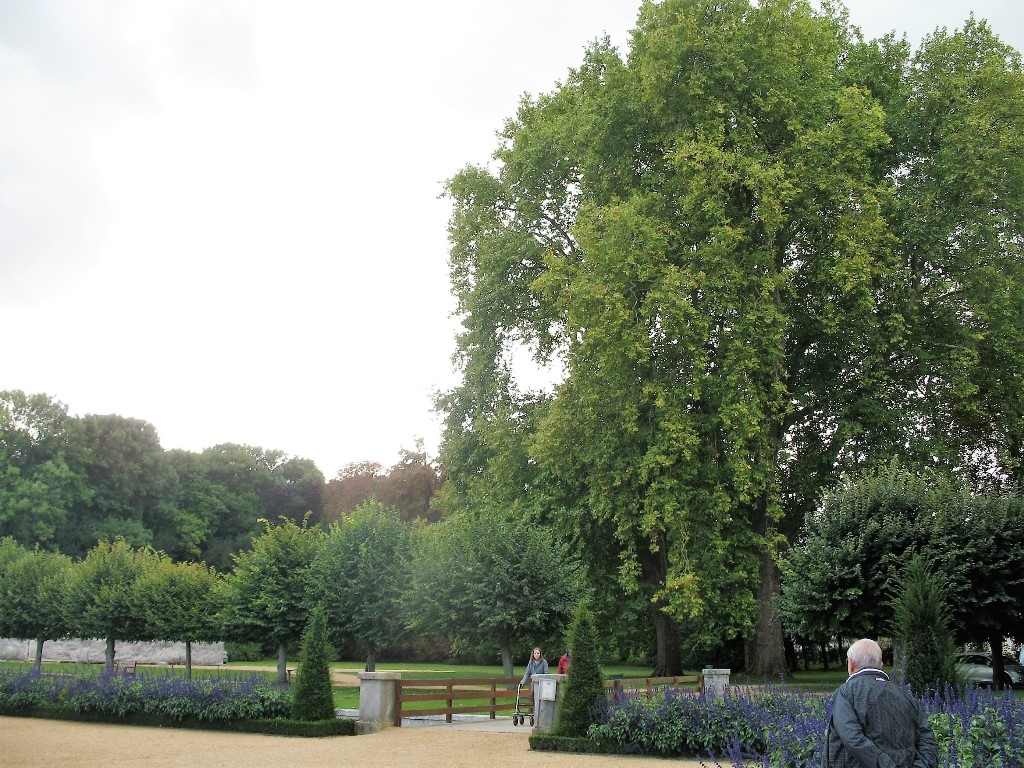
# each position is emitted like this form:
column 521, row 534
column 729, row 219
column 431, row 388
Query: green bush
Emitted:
column 245, row 651
column 314, row 699
column 584, row 687
column 272, row 727
column 921, row 624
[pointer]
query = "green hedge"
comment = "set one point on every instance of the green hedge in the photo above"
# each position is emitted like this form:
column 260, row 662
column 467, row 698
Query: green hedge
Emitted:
column 276, row 727
column 549, row 743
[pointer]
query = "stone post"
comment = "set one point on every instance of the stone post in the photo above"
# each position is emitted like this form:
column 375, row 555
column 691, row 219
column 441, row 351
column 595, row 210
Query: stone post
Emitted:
column 547, row 696
column 378, row 703
column 715, row 681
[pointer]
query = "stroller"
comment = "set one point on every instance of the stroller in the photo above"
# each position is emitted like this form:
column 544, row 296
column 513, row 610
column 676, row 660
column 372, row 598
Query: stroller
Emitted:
column 524, row 706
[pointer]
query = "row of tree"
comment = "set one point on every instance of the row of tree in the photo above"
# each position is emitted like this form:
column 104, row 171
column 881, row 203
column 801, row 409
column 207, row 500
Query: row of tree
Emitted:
column 490, row 586
column 67, row 482
column 845, row 570
column 756, row 254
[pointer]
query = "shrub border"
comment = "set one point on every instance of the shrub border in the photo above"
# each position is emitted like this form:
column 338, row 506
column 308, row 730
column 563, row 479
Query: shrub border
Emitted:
column 580, row 745
column 273, row 727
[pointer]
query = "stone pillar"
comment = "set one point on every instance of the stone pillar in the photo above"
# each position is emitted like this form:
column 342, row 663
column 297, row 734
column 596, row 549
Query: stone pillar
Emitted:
column 715, row 681
column 547, row 695
column 378, row 703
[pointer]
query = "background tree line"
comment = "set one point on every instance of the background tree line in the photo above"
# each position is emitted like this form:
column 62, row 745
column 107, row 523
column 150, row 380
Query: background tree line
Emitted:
column 489, row 589
column 67, row 482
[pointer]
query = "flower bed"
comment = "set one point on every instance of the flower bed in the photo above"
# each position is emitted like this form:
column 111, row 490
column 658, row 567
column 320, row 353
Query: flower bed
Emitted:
column 783, row 728
column 163, row 694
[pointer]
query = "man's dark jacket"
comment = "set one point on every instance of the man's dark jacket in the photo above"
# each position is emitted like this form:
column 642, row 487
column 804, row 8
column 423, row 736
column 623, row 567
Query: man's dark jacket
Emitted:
column 878, row 724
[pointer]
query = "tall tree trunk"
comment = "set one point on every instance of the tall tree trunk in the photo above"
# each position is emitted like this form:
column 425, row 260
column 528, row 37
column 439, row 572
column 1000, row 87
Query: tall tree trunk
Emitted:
column 506, row 646
column 371, row 658
column 669, row 662
column 654, row 567
column 768, row 659
column 766, row 656
column 995, row 644
column 282, row 663
column 39, row 653
column 188, row 659
column 108, row 654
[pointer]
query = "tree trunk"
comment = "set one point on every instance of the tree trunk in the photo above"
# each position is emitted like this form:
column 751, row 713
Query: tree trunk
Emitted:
column 769, row 657
column 108, row 654
column 282, row 663
column 995, row 644
column 506, row 657
column 39, row 653
column 669, row 662
column 371, row 658
column 188, row 659
column 654, row 567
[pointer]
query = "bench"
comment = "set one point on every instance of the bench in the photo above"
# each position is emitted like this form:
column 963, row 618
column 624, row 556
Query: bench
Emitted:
column 125, row 667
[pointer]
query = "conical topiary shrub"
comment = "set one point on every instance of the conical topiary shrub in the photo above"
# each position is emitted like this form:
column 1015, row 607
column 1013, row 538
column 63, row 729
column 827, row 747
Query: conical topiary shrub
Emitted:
column 584, row 690
column 314, row 699
column 921, row 625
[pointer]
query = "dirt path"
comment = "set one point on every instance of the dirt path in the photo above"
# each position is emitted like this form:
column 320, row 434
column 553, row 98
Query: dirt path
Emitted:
column 33, row 743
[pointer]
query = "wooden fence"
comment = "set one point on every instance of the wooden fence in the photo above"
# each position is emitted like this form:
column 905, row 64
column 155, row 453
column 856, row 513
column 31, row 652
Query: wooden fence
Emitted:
column 617, row 688
column 476, row 695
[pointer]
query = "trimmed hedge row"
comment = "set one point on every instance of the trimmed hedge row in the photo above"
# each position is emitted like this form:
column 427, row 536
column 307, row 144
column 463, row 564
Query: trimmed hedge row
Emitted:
column 274, row 727
column 581, row 745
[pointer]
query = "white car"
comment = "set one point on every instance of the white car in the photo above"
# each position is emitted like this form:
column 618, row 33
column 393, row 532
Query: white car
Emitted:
column 977, row 668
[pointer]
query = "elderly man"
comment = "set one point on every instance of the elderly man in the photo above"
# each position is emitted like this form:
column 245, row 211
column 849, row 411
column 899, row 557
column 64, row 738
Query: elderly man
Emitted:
column 875, row 722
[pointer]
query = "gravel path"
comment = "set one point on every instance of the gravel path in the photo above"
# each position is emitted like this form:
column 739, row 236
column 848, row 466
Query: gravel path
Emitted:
column 35, row 743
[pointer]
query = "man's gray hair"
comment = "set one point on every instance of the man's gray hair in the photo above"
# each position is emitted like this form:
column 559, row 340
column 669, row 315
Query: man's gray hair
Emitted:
column 865, row 653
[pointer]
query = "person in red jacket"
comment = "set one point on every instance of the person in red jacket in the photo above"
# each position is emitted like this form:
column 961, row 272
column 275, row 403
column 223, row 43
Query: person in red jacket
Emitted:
column 563, row 663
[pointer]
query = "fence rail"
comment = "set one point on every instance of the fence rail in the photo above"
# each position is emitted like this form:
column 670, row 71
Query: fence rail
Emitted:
column 617, row 688
column 491, row 695
column 499, row 693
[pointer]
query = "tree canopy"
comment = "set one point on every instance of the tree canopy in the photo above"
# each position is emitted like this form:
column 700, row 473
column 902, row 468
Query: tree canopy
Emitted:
column 359, row 575
column 761, row 251
column 265, row 593
column 492, row 580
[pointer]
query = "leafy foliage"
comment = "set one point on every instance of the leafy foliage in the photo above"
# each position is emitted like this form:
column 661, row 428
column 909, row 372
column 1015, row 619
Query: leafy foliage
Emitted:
column 584, row 690
column 756, row 254
column 360, row 574
column 313, row 699
column 264, row 594
column 485, row 581
column 921, row 624
column 32, row 590
column 853, row 550
column 100, row 596
column 181, row 602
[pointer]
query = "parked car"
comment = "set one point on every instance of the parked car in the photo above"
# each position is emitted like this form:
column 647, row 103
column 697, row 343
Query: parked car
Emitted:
column 977, row 668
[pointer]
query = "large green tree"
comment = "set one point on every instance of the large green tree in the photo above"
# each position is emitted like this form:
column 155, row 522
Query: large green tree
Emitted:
column 181, row 603
column 32, row 594
column 491, row 580
column 101, row 600
column 264, row 594
column 359, row 576
column 763, row 251
column 131, row 487
column 38, row 490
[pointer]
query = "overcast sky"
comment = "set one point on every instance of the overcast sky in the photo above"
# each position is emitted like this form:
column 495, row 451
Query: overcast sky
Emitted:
column 223, row 217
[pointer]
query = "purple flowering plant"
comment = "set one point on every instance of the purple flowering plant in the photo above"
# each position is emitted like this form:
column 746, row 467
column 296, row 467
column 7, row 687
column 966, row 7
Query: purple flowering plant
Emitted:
column 778, row 727
column 214, row 698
